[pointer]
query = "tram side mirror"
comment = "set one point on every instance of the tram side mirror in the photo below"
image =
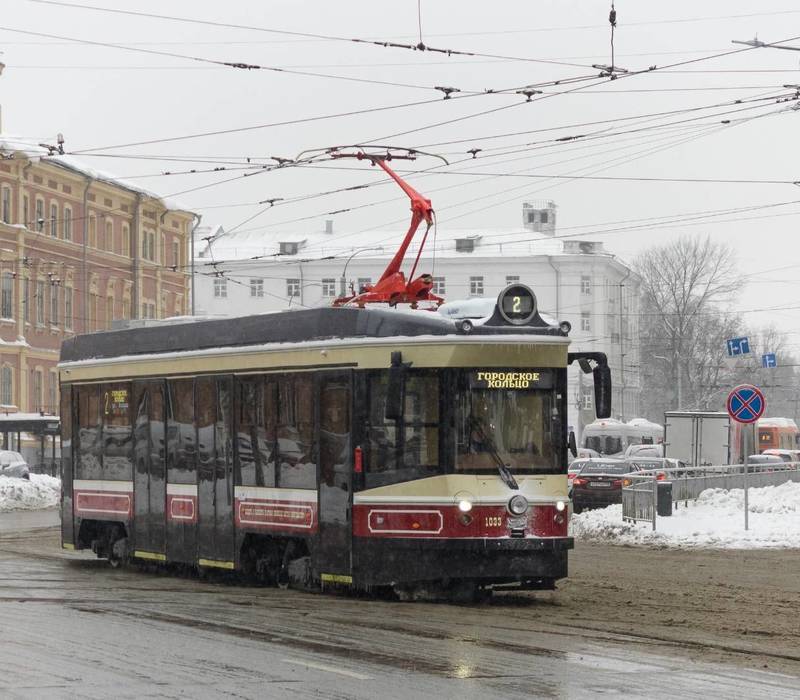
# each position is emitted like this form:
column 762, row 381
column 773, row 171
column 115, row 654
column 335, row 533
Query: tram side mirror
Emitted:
column 573, row 447
column 395, row 390
column 602, row 391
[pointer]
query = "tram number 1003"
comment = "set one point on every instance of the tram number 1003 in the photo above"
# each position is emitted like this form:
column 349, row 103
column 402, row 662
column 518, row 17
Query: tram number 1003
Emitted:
column 493, row 521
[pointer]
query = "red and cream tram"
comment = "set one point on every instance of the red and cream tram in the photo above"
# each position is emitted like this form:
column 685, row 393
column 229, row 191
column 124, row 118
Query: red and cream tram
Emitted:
column 420, row 450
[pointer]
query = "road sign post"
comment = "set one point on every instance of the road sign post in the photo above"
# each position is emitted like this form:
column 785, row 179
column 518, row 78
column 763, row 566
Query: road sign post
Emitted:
column 746, row 404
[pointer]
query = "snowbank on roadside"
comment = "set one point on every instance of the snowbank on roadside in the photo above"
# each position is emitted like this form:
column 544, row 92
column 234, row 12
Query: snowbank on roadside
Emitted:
column 716, row 519
column 40, row 492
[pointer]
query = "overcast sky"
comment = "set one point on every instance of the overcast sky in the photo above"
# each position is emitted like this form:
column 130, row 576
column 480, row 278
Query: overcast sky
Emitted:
column 100, row 97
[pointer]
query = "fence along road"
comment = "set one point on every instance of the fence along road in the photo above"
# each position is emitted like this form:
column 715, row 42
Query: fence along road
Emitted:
column 640, row 496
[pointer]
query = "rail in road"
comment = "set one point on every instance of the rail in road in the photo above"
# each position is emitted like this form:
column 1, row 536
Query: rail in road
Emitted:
column 74, row 627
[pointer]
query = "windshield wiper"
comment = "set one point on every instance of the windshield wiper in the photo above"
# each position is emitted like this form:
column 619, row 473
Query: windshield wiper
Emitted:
column 502, row 467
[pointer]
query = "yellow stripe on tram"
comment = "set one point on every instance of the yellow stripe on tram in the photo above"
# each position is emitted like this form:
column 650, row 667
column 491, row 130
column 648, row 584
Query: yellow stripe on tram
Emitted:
column 336, row 578
column 67, row 545
column 215, row 563
column 154, row 556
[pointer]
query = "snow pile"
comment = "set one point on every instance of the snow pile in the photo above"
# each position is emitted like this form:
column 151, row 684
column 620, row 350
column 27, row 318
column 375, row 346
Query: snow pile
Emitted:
column 40, row 492
column 716, row 519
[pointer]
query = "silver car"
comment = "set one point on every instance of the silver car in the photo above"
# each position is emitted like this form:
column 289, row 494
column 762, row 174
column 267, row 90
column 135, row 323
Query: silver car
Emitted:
column 13, row 464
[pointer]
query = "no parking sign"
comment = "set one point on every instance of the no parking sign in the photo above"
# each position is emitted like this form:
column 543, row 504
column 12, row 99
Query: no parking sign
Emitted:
column 746, row 403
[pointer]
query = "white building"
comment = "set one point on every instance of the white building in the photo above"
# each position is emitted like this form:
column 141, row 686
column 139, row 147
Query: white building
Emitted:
column 574, row 280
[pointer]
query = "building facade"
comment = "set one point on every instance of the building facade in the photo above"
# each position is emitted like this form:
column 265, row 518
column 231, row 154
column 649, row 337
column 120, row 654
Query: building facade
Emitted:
column 78, row 250
column 574, row 280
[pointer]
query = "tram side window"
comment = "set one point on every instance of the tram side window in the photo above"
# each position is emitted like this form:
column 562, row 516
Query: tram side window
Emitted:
column 205, row 416
column 405, row 449
column 117, row 437
column 256, row 432
column 89, row 464
column 297, row 467
column 180, row 432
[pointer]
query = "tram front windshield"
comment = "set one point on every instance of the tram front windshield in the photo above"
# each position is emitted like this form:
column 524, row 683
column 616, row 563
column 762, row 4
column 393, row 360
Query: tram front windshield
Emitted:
column 509, row 418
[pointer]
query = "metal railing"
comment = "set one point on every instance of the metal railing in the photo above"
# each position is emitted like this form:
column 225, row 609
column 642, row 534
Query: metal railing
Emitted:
column 51, row 467
column 640, row 490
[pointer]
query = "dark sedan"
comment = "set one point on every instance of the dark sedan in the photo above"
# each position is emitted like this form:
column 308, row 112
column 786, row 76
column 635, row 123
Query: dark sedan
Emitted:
column 599, row 483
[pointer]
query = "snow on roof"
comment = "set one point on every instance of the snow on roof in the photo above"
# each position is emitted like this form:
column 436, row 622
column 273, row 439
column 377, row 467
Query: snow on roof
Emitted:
column 10, row 145
column 519, row 241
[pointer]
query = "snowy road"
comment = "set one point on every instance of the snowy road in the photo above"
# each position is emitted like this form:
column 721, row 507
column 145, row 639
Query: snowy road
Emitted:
column 73, row 627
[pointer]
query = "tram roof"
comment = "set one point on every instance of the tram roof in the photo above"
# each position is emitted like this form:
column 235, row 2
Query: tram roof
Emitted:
column 283, row 327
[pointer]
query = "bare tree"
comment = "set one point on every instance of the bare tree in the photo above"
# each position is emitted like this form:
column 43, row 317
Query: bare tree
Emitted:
column 683, row 282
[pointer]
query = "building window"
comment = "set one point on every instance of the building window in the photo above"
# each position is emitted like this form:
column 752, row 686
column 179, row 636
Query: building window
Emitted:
column 109, row 242
column 257, row 287
column 53, row 305
column 126, row 307
column 92, row 231
column 149, row 245
column 512, row 279
column 54, row 220
column 6, row 205
column 289, row 248
column 36, row 399
column 292, row 288
column 40, row 292
column 329, row 287
column 53, row 405
column 362, row 284
column 93, row 308
column 162, row 249
column 148, row 310
column 438, row 286
column 176, row 254
column 26, row 300
column 587, row 401
column 543, row 217
column 7, row 296
column 109, row 311
column 39, row 214
column 476, row 286
column 67, row 224
column 26, row 207
column 465, row 245
column 126, row 240
column 163, row 306
column 220, row 288
column 586, row 284
column 7, row 386
column 68, row 308
column 586, row 321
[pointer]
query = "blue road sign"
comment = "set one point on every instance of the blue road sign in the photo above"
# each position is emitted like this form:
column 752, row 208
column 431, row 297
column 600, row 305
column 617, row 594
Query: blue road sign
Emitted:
column 746, row 404
column 738, row 346
column 768, row 360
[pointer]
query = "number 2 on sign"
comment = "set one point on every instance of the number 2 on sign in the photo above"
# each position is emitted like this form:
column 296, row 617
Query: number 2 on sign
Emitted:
column 517, row 305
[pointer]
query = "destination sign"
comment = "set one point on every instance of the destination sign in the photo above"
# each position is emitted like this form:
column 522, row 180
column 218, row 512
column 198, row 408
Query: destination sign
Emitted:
column 508, row 380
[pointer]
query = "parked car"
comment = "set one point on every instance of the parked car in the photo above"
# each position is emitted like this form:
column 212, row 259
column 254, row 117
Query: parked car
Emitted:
column 653, row 463
column 784, row 454
column 762, row 459
column 599, row 483
column 13, row 464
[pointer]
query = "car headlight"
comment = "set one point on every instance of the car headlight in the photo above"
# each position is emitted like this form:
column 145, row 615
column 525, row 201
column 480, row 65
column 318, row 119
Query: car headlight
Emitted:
column 518, row 505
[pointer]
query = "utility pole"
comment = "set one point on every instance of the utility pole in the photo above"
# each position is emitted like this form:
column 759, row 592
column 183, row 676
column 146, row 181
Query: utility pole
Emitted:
column 622, row 326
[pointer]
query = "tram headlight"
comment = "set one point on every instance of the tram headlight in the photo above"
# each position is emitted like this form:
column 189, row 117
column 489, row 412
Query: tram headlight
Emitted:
column 560, row 505
column 464, row 505
column 518, row 505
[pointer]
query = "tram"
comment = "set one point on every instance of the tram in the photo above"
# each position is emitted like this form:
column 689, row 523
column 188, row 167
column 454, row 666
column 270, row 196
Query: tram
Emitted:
column 777, row 433
column 362, row 445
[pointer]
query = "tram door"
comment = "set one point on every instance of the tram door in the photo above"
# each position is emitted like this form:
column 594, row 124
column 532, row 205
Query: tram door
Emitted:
column 213, row 415
column 149, row 452
column 335, row 474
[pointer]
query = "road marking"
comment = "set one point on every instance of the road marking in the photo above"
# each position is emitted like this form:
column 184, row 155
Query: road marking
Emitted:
column 329, row 669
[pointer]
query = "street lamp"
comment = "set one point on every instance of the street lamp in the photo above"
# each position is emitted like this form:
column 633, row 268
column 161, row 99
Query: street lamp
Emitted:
column 343, row 279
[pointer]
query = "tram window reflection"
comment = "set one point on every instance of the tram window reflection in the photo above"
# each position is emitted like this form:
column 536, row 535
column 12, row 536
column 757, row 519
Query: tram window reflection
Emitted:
column 256, row 431
column 89, row 464
column 405, row 449
column 117, row 435
column 181, row 433
column 296, row 465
